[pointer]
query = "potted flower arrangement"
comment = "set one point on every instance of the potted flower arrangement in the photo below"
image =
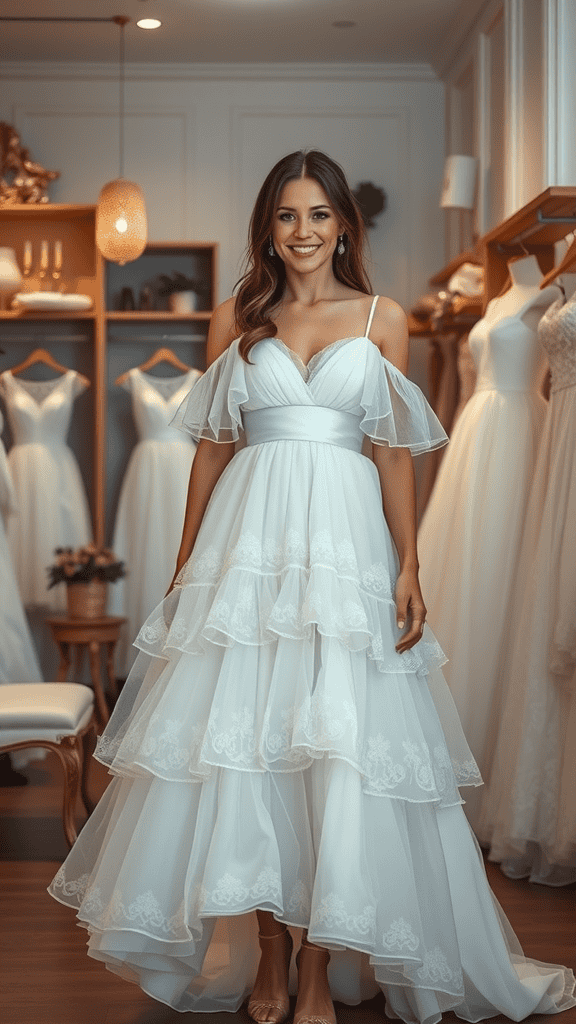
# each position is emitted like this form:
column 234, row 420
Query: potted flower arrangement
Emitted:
column 183, row 292
column 87, row 573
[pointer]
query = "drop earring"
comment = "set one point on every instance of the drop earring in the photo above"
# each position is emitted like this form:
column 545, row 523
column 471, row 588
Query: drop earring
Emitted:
column 270, row 247
column 341, row 246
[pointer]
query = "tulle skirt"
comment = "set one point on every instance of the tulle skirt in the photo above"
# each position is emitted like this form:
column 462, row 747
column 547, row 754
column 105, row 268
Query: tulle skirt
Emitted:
column 52, row 512
column 147, row 534
column 529, row 808
column 468, row 543
column 270, row 749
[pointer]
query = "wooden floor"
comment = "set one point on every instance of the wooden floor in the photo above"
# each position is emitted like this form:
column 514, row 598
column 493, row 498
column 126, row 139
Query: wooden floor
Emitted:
column 47, row 978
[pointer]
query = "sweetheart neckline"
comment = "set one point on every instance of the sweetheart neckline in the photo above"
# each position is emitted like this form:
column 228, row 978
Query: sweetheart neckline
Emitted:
column 353, row 337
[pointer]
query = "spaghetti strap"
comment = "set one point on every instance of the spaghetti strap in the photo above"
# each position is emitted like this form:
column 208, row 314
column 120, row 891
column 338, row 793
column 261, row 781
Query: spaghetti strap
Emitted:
column 371, row 315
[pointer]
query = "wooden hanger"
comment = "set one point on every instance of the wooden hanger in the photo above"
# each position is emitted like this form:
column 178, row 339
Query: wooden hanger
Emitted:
column 41, row 355
column 161, row 355
column 566, row 264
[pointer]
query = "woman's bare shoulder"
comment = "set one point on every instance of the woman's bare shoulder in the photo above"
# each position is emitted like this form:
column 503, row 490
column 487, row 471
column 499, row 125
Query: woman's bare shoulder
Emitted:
column 221, row 332
column 390, row 332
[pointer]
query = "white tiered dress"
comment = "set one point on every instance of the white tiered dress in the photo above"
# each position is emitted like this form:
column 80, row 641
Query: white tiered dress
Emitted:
column 272, row 750
column 152, row 504
column 52, row 506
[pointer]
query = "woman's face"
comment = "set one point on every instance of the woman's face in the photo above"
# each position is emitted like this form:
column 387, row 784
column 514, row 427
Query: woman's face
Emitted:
column 305, row 231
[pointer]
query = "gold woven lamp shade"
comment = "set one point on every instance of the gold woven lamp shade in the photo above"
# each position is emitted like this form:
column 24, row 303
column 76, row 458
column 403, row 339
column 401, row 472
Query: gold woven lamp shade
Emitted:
column 121, row 224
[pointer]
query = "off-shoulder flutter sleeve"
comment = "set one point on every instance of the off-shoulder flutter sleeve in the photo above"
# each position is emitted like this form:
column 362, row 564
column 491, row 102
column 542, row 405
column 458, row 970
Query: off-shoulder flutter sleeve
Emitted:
column 211, row 409
column 395, row 410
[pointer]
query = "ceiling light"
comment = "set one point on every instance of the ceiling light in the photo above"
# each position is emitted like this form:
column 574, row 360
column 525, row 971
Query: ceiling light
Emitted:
column 121, row 223
column 148, row 23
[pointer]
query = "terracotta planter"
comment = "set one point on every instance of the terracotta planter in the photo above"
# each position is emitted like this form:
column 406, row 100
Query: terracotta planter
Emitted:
column 87, row 600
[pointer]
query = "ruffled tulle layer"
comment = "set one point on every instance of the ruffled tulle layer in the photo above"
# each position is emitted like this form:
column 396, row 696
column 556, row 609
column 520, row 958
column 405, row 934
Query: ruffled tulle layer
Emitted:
column 234, row 708
column 399, row 895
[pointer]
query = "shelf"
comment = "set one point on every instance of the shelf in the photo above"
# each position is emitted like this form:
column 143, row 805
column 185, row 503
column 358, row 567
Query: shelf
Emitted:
column 44, row 314
column 444, row 275
column 48, row 211
column 151, row 316
column 532, row 225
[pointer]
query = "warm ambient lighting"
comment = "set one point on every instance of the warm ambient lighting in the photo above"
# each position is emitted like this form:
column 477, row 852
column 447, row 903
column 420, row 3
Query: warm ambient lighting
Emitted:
column 121, row 226
column 148, row 23
column 121, row 223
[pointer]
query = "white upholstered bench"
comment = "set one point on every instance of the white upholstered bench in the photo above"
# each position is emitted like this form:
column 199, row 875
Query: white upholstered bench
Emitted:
column 59, row 716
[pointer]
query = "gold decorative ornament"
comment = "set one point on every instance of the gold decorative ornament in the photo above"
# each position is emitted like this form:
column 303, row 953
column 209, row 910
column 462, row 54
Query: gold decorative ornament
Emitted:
column 21, row 179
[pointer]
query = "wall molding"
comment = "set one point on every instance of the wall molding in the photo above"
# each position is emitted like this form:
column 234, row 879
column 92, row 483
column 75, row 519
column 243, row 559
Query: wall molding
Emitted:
column 454, row 46
column 384, row 72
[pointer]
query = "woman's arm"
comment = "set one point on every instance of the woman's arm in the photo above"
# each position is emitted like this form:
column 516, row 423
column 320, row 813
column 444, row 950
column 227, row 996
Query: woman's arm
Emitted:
column 396, row 473
column 211, row 457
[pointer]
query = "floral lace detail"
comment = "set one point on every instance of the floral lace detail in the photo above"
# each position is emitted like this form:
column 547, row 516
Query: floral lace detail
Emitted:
column 230, row 890
column 400, row 936
column 383, row 773
column 77, row 887
column 298, row 903
column 272, row 557
column 557, row 335
column 435, row 969
column 332, row 911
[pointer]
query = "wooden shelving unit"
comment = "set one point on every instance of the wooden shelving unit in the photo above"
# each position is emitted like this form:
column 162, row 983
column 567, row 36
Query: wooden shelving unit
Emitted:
column 534, row 229
column 84, row 271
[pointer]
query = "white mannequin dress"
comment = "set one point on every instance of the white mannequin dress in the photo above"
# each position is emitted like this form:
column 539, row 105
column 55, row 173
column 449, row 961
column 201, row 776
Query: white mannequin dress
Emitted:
column 268, row 708
column 529, row 808
column 469, row 537
column 152, row 503
column 18, row 661
column 53, row 510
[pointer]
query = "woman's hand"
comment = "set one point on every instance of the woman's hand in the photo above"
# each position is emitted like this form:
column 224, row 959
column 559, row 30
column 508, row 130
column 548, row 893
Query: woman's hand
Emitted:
column 409, row 604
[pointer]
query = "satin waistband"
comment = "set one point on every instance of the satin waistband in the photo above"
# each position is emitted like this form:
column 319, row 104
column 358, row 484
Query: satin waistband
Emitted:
column 303, row 423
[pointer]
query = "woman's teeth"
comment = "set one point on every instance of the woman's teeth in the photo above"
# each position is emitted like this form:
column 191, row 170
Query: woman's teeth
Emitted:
column 304, row 249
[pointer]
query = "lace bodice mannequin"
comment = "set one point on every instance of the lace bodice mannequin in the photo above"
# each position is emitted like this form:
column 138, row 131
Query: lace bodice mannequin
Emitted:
column 557, row 335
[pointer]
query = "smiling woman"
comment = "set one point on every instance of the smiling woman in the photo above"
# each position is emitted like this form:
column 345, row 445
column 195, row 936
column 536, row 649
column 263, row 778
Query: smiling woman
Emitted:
column 305, row 219
column 288, row 675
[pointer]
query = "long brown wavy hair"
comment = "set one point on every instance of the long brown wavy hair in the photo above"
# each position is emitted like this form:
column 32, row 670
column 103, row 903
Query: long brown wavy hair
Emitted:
column 262, row 285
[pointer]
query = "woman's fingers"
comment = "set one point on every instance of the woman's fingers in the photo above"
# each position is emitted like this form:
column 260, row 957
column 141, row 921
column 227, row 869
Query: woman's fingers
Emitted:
column 415, row 630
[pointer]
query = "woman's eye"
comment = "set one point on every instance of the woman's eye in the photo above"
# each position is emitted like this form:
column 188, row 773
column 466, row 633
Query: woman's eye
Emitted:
column 321, row 215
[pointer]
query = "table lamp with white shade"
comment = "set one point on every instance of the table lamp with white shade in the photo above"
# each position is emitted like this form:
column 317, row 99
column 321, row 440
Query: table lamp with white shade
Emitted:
column 459, row 188
column 10, row 276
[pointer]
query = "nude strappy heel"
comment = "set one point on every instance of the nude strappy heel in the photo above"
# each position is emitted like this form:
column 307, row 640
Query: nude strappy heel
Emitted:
column 257, row 1008
column 323, row 954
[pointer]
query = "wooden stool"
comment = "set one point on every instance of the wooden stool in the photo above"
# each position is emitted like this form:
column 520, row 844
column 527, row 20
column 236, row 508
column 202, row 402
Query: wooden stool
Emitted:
column 92, row 634
column 60, row 717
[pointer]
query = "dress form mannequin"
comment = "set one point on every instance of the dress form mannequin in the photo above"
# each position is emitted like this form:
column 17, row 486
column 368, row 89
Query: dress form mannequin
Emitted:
column 528, row 814
column 526, row 277
column 470, row 534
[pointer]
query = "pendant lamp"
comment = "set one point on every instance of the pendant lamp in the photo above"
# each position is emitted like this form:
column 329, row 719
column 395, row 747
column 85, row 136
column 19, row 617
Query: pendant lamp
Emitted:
column 121, row 224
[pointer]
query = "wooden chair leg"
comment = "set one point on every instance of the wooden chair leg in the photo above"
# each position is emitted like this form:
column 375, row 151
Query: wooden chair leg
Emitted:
column 88, row 747
column 95, row 673
column 68, row 751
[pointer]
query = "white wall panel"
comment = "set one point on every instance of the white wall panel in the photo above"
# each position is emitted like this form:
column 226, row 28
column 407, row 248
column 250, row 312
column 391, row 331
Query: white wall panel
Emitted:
column 198, row 138
column 85, row 145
